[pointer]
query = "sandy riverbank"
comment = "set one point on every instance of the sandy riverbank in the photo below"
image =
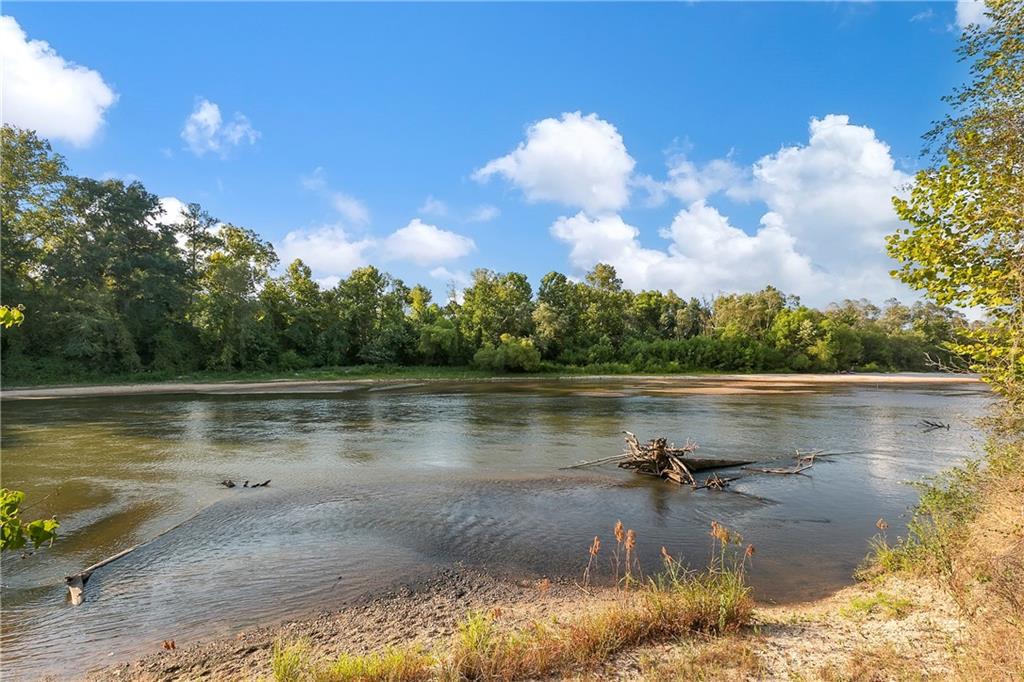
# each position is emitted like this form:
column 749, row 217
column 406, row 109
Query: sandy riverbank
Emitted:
column 724, row 383
column 833, row 638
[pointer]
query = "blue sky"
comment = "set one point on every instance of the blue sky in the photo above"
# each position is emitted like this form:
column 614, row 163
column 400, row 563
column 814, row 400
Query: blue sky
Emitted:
column 719, row 146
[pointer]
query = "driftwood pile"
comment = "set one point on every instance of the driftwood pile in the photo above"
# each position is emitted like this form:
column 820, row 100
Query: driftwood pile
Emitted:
column 658, row 458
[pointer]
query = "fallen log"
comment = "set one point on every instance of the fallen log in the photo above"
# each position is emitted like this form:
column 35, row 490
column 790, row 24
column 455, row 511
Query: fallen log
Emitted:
column 76, row 583
column 794, row 470
column 803, row 463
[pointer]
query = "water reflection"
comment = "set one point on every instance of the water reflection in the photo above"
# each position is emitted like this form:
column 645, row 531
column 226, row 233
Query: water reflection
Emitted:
column 376, row 487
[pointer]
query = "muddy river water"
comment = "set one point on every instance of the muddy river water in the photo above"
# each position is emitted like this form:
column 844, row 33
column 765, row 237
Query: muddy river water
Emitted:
column 376, row 485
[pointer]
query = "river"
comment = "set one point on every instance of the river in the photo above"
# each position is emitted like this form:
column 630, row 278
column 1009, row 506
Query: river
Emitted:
column 377, row 485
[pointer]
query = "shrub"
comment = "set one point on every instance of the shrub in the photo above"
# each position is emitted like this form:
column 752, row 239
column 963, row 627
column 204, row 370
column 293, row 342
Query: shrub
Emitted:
column 291, row 360
column 512, row 354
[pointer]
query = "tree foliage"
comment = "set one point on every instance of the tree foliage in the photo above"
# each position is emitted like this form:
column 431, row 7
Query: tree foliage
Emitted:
column 965, row 242
column 15, row 533
column 115, row 286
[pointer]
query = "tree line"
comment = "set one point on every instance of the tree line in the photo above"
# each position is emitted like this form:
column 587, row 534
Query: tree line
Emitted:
column 109, row 286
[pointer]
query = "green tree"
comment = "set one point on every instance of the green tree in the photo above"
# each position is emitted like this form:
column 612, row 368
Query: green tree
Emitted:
column 295, row 307
column 692, row 319
column 11, row 316
column 33, row 181
column 511, row 354
column 965, row 213
column 118, row 256
column 198, row 237
column 233, row 327
column 558, row 315
column 372, row 306
column 748, row 314
column 648, row 317
column 795, row 332
column 604, row 318
column 838, row 347
column 496, row 304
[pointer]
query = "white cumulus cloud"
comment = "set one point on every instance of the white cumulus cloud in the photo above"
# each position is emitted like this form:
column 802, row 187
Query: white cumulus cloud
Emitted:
column 328, row 250
column 706, row 255
column 424, row 244
column 456, row 282
column 834, row 194
column 688, row 181
column 580, row 161
column 971, row 12
column 827, row 210
column 350, row 208
column 174, row 210
column 174, row 213
column 206, row 131
column 44, row 92
column 457, row 277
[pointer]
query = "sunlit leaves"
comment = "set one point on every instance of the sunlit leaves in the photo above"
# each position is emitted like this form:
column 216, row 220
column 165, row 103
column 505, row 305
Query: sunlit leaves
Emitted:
column 965, row 243
column 11, row 316
column 15, row 533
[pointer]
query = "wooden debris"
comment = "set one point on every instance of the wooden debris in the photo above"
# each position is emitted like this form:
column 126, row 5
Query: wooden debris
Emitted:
column 716, row 482
column 76, row 583
column 803, row 463
column 228, row 483
column 595, row 462
column 659, row 458
column 929, row 425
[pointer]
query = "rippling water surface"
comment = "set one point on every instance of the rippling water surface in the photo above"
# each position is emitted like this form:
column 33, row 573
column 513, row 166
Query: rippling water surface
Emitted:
column 372, row 487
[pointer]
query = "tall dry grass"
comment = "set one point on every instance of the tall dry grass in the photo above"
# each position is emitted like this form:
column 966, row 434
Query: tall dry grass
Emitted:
column 645, row 609
column 667, row 605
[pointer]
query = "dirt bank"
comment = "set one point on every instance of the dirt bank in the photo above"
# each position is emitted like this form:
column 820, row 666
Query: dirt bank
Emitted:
column 893, row 629
column 425, row 613
column 725, row 383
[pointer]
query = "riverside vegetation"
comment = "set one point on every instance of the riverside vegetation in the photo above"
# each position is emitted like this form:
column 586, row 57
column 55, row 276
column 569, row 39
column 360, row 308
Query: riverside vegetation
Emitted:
column 114, row 289
column 644, row 610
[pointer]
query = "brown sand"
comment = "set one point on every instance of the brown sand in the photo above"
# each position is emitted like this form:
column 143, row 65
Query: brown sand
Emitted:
column 676, row 384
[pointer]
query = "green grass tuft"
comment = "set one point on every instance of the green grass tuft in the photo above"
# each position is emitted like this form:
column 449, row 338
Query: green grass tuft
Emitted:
column 882, row 603
column 289, row 662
